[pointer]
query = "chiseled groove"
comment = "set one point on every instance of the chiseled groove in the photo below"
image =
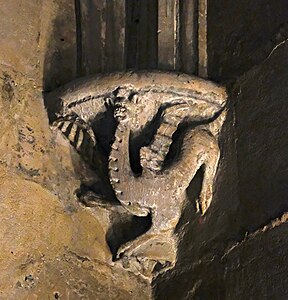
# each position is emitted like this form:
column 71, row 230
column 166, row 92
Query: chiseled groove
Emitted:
column 202, row 39
column 73, row 133
column 108, row 99
column 141, row 37
column 79, row 141
column 188, row 36
column 81, row 138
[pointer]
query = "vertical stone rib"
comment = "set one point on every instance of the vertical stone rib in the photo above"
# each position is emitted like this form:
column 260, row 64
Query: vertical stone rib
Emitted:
column 78, row 19
column 202, row 39
column 188, row 41
column 93, row 42
column 132, row 35
column 148, row 34
column 103, row 35
column 115, row 35
column 168, row 34
column 141, row 34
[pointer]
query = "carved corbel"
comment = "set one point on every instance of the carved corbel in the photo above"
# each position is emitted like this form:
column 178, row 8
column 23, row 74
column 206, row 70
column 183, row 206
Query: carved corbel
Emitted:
column 147, row 110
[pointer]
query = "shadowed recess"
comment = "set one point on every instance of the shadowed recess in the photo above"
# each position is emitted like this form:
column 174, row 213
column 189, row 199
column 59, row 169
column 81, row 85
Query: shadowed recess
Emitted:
column 124, row 228
column 141, row 34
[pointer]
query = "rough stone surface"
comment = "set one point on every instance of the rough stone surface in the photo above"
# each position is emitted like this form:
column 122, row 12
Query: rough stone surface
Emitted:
column 49, row 242
column 54, row 247
column 242, row 34
column 213, row 266
column 51, row 247
column 142, row 112
column 261, row 133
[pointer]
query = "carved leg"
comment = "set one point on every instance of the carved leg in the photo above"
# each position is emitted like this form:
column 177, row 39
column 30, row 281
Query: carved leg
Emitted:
column 200, row 148
column 211, row 164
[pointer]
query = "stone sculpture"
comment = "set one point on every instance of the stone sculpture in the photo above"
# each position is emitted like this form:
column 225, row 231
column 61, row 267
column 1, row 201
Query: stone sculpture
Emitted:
column 163, row 127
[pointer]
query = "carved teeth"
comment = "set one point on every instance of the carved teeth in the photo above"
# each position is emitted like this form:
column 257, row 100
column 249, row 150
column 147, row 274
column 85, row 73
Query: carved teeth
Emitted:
column 113, row 165
column 118, row 192
column 155, row 166
column 120, row 112
column 118, row 139
column 114, row 168
column 115, row 180
column 114, row 147
column 111, row 158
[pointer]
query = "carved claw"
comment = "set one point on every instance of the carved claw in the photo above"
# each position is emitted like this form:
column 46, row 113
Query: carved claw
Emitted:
column 205, row 200
column 136, row 209
column 124, row 110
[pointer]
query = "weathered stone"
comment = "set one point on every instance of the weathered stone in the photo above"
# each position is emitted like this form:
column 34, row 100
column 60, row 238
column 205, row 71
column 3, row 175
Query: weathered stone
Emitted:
column 57, row 238
column 146, row 106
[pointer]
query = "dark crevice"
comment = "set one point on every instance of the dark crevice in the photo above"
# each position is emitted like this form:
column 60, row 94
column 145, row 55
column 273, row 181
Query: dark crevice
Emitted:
column 141, row 139
column 141, row 38
column 78, row 37
column 188, row 36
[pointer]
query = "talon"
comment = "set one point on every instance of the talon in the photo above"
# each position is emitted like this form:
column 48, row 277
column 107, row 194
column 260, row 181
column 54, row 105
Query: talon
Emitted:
column 204, row 204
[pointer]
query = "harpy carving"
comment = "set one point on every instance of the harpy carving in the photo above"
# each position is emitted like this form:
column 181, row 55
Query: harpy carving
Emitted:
column 161, row 129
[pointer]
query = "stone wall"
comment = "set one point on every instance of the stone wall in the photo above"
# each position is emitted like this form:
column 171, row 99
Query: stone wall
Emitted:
column 51, row 245
column 247, row 50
